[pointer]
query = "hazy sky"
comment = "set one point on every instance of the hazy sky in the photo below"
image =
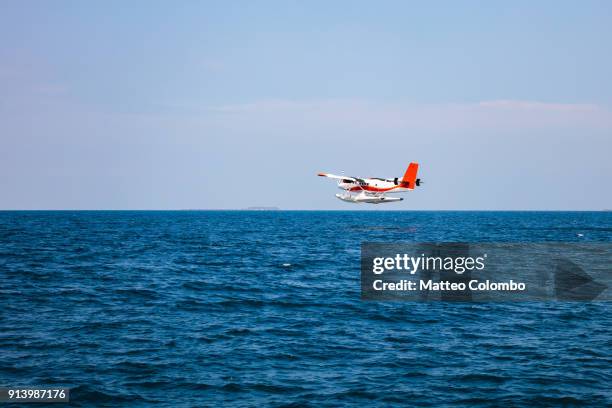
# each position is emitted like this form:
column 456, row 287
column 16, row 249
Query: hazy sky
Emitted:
column 172, row 105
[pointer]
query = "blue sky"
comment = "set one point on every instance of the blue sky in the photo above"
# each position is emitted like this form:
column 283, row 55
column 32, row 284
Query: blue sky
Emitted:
column 153, row 105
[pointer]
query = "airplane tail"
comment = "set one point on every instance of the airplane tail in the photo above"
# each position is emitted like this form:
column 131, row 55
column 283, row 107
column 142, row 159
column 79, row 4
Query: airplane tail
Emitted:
column 410, row 179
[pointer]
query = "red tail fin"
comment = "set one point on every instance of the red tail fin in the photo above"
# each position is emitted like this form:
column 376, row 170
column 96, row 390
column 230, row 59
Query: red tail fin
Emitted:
column 409, row 179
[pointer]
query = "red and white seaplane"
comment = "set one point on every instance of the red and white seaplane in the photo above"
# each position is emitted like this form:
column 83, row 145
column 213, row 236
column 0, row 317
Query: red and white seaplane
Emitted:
column 372, row 190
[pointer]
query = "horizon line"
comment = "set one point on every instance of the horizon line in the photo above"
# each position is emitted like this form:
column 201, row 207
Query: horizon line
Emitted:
column 288, row 210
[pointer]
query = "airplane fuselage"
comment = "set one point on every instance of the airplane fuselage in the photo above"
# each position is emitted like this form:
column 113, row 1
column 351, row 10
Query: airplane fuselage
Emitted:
column 373, row 185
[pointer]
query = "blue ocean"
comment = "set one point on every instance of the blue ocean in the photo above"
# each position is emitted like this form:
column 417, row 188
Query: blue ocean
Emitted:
column 247, row 308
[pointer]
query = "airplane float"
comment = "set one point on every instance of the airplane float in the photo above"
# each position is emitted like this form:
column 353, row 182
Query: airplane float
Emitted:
column 372, row 190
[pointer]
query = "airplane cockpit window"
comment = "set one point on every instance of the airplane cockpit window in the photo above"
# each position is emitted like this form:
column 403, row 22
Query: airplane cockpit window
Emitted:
column 347, row 181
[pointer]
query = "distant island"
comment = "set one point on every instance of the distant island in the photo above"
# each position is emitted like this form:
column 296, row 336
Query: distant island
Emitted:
column 233, row 209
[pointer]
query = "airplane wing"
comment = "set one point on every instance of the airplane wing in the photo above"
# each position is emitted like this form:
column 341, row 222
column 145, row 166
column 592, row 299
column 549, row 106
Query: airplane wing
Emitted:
column 337, row 177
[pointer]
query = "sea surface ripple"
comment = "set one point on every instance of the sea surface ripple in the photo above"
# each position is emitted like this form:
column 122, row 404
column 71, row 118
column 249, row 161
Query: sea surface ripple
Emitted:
column 233, row 308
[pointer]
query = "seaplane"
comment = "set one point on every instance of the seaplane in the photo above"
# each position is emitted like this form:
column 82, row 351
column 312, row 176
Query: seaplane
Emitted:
column 373, row 190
